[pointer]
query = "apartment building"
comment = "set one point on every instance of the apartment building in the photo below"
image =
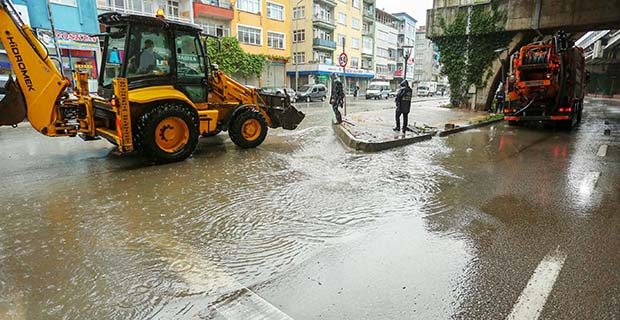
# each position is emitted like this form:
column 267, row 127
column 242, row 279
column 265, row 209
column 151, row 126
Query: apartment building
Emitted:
column 321, row 30
column 406, row 43
column 214, row 16
column 386, row 41
column 426, row 58
column 179, row 10
column 263, row 27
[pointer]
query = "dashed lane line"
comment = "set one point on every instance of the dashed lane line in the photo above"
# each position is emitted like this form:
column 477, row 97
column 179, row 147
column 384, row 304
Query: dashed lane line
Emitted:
column 534, row 296
column 602, row 151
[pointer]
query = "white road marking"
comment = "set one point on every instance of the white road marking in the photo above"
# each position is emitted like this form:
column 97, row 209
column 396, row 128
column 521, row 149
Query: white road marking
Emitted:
column 587, row 185
column 203, row 275
column 534, row 296
column 602, row 151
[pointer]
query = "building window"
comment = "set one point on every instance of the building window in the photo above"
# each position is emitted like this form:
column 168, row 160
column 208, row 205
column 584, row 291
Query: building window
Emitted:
column 382, row 52
column 356, row 4
column 65, row 2
column 342, row 18
column 355, row 23
column 275, row 40
column 355, row 43
column 299, row 12
column 355, row 62
column 322, row 34
column 249, row 35
column 367, row 43
column 299, row 57
column 172, row 8
column 275, row 11
column 299, row 35
column 341, row 39
column 249, row 5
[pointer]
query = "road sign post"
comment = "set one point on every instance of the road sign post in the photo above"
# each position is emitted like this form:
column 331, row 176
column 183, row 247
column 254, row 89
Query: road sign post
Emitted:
column 343, row 59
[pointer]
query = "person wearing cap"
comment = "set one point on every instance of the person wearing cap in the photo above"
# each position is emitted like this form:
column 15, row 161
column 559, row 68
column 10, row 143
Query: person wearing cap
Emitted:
column 403, row 104
column 337, row 97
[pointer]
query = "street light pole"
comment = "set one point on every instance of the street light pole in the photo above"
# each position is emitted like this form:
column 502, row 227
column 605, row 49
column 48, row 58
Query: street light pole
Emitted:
column 406, row 55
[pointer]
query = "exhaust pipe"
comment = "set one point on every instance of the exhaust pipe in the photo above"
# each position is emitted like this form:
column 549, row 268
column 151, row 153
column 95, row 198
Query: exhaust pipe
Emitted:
column 13, row 106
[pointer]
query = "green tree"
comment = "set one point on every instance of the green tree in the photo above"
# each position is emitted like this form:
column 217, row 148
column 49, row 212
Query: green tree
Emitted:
column 232, row 60
column 466, row 58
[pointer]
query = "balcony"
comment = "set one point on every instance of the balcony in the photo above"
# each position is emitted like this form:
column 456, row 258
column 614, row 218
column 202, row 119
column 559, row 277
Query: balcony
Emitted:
column 218, row 9
column 329, row 3
column 369, row 14
column 323, row 22
column 319, row 43
column 183, row 17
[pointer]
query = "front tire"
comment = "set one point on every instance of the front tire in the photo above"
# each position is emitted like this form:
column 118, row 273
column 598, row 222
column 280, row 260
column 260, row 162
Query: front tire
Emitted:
column 248, row 129
column 167, row 132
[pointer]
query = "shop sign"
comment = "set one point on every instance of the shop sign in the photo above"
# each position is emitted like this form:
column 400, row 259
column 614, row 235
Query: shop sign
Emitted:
column 68, row 40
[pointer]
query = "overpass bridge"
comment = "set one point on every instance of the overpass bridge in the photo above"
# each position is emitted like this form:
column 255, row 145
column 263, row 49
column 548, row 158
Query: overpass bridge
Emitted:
column 528, row 20
column 602, row 53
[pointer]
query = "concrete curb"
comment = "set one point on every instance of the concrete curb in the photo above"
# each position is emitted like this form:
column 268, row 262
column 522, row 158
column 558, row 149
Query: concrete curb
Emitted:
column 444, row 133
column 349, row 140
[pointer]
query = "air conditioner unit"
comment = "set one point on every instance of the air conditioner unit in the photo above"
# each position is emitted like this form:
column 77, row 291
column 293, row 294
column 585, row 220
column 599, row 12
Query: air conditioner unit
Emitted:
column 598, row 50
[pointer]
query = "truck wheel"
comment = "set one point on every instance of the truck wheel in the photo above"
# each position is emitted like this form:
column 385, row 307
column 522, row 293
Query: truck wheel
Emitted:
column 167, row 133
column 248, row 130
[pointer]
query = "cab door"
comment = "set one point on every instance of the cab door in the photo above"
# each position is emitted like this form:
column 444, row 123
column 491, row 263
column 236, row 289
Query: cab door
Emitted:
column 190, row 66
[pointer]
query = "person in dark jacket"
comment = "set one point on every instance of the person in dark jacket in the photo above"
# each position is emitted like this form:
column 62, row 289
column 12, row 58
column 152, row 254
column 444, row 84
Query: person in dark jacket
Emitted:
column 337, row 97
column 403, row 104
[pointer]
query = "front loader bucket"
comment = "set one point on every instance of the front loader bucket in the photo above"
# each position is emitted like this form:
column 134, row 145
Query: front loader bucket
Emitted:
column 13, row 106
column 281, row 111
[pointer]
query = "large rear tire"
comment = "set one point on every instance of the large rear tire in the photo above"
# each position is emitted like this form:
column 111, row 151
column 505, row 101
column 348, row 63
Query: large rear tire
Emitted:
column 167, row 132
column 248, row 130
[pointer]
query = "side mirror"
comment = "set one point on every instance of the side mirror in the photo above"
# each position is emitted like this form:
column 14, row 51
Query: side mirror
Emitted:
column 214, row 66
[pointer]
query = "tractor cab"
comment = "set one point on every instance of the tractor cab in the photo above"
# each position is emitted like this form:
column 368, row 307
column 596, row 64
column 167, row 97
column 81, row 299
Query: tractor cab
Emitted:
column 152, row 51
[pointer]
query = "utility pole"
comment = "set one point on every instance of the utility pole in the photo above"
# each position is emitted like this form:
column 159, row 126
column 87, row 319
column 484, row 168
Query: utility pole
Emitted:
column 344, row 75
column 406, row 55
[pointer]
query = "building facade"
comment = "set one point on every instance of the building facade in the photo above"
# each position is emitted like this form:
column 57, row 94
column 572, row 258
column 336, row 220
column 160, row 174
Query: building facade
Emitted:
column 406, row 46
column 263, row 27
column 386, row 52
column 79, row 51
column 321, row 31
column 426, row 58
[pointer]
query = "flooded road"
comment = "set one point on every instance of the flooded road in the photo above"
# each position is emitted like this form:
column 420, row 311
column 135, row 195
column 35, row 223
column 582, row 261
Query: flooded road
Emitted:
column 451, row 227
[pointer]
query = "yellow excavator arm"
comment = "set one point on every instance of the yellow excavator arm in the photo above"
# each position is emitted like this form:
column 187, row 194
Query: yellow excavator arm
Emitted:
column 39, row 84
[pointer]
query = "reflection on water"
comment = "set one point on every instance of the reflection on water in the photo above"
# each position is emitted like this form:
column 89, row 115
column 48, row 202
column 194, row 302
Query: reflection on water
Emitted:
column 106, row 239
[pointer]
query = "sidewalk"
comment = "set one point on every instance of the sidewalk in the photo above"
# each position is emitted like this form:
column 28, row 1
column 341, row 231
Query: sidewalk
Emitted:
column 372, row 130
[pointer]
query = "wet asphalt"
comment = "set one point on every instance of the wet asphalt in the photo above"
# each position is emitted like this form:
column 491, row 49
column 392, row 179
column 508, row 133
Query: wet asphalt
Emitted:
column 449, row 228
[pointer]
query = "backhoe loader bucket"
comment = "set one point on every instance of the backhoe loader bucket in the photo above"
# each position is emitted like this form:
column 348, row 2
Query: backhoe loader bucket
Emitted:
column 281, row 111
column 13, row 106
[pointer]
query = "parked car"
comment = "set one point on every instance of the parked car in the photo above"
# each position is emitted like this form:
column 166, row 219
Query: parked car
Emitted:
column 378, row 90
column 288, row 91
column 424, row 92
column 3, row 79
column 312, row 92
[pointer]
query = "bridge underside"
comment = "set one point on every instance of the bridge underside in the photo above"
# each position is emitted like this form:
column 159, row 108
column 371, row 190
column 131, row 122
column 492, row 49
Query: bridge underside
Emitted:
column 529, row 20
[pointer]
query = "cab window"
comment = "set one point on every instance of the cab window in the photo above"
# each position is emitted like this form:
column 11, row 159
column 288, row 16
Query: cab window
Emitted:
column 189, row 58
column 149, row 53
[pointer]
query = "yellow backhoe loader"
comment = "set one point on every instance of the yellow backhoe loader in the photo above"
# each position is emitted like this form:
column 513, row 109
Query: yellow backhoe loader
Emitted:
column 157, row 90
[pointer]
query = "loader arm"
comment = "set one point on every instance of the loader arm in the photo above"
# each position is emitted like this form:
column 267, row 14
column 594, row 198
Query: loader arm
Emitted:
column 39, row 85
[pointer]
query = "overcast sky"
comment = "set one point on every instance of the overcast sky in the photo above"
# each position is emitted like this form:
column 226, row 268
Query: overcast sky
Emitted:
column 415, row 8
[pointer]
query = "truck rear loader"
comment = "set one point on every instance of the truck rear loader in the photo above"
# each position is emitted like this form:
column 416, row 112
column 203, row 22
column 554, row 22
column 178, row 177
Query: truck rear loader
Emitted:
column 158, row 91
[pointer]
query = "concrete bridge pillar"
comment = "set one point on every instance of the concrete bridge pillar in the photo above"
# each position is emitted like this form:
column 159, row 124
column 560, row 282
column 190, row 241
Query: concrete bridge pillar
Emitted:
column 484, row 96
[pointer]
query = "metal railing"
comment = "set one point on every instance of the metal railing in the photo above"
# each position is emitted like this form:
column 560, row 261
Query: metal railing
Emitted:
column 214, row 30
column 141, row 13
column 218, row 3
column 324, row 43
column 323, row 18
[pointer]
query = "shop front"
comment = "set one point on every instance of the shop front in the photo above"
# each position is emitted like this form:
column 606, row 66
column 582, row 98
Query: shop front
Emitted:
column 79, row 52
column 319, row 73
